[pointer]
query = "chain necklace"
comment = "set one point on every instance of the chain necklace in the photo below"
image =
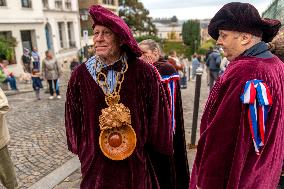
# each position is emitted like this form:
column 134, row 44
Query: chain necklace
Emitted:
column 114, row 95
column 117, row 138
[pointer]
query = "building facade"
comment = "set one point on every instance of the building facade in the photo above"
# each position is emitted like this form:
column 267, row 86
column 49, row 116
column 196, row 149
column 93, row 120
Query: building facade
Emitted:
column 86, row 21
column 204, row 36
column 42, row 24
column 169, row 30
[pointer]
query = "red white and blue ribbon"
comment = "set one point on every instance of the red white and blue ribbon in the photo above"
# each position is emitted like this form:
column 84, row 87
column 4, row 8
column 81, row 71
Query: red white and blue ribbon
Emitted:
column 171, row 82
column 257, row 96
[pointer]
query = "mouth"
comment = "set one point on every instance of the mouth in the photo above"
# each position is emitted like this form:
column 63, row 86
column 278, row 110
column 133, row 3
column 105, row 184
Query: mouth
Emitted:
column 98, row 48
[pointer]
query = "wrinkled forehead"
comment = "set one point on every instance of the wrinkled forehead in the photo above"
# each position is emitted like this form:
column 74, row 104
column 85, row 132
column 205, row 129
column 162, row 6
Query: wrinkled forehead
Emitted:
column 228, row 32
column 101, row 27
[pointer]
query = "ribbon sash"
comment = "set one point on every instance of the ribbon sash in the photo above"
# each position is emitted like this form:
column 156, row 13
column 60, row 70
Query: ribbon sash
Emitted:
column 258, row 97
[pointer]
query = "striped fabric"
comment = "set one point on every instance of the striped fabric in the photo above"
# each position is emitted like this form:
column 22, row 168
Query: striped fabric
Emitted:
column 257, row 96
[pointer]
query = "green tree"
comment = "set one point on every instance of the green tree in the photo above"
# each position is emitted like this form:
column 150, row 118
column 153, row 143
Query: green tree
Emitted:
column 143, row 37
column 136, row 17
column 174, row 19
column 203, row 49
column 7, row 45
column 191, row 34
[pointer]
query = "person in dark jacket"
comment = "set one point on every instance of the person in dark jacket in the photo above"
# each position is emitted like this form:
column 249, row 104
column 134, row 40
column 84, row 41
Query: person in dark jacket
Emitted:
column 213, row 63
column 75, row 62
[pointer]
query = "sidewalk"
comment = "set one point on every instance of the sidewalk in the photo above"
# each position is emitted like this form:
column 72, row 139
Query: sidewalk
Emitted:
column 25, row 87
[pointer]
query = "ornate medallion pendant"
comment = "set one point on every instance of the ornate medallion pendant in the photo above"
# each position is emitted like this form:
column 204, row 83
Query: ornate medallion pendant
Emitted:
column 117, row 138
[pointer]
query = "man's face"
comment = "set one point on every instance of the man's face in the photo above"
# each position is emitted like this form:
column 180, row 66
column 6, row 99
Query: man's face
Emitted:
column 231, row 44
column 49, row 54
column 148, row 55
column 106, row 43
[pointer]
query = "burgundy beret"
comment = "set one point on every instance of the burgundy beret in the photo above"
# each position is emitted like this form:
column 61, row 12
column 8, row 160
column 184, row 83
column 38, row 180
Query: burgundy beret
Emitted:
column 104, row 17
column 243, row 17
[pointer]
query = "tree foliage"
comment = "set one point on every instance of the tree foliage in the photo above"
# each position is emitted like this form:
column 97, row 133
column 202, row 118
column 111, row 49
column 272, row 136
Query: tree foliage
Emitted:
column 7, row 45
column 180, row 48
column 136, row 17
column 191, row 34
column 143, row 37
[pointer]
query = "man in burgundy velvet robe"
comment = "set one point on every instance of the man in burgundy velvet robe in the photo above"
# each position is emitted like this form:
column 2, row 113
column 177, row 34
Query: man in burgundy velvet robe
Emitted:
column 228, row 156
column 141, row 91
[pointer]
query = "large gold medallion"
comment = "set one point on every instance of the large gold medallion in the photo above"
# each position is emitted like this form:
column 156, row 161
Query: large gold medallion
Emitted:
column 117, row 138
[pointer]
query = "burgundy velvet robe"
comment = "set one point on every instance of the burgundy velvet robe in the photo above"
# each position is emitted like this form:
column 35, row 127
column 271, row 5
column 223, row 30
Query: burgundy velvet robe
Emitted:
column 225, row 156
column 143, row 94
column 179, row 173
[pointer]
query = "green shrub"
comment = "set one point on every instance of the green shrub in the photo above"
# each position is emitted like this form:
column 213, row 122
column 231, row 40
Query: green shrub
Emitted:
column 7, row 46
column 143, row 37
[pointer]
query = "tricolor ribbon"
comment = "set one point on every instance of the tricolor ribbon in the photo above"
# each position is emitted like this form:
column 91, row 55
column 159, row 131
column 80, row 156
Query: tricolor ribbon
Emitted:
column 257, row 96
column 171, row 82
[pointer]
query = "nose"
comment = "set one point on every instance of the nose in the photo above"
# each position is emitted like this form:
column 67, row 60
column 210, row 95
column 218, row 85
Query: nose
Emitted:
column 100, row 37
column 219, row 41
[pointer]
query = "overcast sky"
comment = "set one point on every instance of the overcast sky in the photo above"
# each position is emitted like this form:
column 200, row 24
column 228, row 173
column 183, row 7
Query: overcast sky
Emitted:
column 191, row 9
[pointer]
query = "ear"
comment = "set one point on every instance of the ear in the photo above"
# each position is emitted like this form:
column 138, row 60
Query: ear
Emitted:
column 246, row 38
column 156, row 51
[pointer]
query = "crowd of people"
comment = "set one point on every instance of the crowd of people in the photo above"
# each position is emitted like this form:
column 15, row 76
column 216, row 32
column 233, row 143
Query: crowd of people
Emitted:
column 124, row 115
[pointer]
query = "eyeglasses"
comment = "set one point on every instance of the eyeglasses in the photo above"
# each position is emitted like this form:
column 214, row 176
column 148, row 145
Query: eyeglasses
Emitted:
column 104, row 33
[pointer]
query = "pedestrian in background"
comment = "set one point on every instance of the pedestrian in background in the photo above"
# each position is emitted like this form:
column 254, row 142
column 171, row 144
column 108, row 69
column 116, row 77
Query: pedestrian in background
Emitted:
column 195, row 64
column 276, row 46
column 242, row 127
column 174, row 60
column 178, row 169
column 116, row 111
column 74, row 63
column 9, row 76
column 26, row 60
column 35, row 59
column 7, row 172
column 51, row 72
column 213, row 63
column 36, row 82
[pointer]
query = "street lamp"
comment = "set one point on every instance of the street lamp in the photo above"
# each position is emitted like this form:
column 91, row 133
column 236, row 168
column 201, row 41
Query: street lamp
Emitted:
column 84, row 17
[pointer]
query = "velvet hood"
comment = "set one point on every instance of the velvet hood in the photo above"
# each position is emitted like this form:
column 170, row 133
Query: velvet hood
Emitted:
column 104, row 17
column 243, row 17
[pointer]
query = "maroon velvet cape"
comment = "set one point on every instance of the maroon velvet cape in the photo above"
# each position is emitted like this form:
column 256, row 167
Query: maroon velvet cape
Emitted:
column 225, row 155
column 172, row 171
column 143, row 94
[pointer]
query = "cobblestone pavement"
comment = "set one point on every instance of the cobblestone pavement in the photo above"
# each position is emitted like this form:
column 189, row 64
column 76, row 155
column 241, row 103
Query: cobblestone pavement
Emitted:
column 73, row 181
column 38, row 141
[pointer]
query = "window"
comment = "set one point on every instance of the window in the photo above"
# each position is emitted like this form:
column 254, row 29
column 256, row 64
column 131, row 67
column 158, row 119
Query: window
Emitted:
column 62, row 34
column 58, row 4
column 26, row 4
column 108, row 2
column 3, row 3
column 68, row 4
column 45, row 4
column 72, row 43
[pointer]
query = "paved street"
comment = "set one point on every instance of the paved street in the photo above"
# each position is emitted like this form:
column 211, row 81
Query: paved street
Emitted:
column 38, row 144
